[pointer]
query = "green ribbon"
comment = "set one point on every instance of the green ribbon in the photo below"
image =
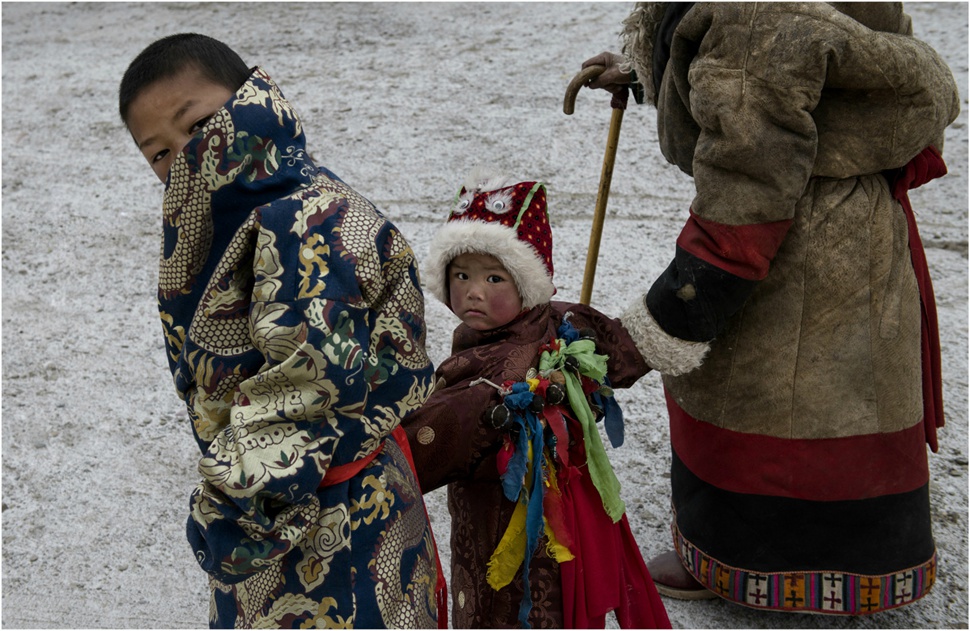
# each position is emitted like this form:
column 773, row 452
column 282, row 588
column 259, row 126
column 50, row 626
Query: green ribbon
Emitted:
column 593, row 366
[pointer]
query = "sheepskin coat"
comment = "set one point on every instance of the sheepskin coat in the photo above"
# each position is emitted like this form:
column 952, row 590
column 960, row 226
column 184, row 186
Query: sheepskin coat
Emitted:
column 788, row 325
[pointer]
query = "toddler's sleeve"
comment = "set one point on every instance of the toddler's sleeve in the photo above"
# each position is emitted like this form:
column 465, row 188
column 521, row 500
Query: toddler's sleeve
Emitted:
column 449, row 437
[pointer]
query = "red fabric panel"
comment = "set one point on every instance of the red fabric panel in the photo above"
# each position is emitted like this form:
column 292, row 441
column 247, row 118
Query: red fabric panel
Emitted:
column 828, row 469
column 608, row 573
column 745, row 251
column 928, row 165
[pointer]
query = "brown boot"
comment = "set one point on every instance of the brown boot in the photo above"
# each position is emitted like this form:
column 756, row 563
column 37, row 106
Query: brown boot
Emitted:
column 672, row 578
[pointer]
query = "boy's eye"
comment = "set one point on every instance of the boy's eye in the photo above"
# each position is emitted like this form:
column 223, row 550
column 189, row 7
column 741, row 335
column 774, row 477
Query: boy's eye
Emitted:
column 461, row 275
column 495, row 278
column 199, row 124
column 159, row 156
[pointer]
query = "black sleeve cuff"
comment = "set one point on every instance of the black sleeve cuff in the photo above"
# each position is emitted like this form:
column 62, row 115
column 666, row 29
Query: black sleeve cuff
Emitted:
column 693, row 300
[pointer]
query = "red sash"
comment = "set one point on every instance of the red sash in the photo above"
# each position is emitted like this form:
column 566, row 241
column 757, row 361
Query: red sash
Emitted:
column 928, row 165
column 343, row 472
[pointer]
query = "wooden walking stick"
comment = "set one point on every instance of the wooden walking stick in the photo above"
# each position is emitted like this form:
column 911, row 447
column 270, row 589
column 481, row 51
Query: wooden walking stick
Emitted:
column 599, row 214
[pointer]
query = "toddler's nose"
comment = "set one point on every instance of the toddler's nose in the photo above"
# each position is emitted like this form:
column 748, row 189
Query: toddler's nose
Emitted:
column 475, row 291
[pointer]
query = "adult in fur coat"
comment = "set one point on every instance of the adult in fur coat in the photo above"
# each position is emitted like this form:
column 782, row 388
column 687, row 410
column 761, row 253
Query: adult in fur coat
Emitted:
column 795, row 327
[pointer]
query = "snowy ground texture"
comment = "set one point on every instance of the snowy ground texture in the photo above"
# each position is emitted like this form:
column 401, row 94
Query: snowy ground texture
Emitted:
column 400, row 100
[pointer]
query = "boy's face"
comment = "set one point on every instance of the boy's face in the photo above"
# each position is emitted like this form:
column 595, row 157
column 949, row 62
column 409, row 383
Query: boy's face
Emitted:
column 166, row 114
column 482, row 292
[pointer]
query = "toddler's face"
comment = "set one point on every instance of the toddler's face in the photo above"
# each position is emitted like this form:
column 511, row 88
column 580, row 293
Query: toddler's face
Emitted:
column 482, row 292
column 166, row 114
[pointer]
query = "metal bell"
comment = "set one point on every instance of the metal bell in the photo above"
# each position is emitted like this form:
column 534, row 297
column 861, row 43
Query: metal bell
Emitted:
column 498, row 416
column 555, row 394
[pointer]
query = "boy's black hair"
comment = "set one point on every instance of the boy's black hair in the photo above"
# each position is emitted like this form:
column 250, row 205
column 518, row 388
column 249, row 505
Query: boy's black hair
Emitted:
column 170, row 55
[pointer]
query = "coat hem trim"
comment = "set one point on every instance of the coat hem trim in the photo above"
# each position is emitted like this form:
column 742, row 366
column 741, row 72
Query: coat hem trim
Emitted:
column 838, row 593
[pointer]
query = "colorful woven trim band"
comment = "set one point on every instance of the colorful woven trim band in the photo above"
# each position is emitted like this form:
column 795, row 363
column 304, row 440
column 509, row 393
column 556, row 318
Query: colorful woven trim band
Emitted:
column 816, row 592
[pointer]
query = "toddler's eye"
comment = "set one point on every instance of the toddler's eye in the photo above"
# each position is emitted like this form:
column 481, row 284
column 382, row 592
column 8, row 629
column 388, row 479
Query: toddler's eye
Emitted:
column 461, row 276
column 159, row 156
column 495, row 278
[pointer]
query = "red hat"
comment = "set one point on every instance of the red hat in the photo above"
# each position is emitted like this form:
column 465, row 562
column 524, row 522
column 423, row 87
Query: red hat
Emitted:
column 507, row 220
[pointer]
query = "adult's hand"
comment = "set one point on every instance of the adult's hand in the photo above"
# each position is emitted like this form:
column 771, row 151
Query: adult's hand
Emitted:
column 613, row 79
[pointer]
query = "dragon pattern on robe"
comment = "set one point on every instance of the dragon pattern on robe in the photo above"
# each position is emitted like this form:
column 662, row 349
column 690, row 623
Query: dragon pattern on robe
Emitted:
column 294, row 325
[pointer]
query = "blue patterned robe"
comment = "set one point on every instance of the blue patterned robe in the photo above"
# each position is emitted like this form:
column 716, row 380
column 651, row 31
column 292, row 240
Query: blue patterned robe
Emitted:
column 294, row 327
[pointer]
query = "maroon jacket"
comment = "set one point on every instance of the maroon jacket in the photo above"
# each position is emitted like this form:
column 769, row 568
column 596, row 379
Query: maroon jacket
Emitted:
column 453, row 446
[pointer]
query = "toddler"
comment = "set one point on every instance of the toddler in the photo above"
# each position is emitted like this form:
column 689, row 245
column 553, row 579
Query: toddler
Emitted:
column 539, row 534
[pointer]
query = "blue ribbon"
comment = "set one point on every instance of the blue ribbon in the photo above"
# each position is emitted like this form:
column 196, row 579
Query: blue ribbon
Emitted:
column 530, row 429
column 612, row 415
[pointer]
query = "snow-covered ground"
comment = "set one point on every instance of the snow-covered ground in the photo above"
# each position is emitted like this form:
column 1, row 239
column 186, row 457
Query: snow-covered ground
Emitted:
column 399, row 99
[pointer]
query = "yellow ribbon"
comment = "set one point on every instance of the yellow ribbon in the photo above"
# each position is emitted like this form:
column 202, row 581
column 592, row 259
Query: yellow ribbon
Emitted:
column 507, row 557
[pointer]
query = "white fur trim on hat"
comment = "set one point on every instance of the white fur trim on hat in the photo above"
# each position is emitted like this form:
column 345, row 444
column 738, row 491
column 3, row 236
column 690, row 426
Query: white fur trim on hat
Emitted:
column 662, row 352
column 463, row 236
column 482, row 179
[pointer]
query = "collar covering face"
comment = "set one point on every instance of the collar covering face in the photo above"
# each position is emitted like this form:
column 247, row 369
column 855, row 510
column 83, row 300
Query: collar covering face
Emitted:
column 251, row 152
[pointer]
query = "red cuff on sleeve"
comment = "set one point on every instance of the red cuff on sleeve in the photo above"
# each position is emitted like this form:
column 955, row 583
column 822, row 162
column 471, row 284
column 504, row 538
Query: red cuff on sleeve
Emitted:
column 745, row 251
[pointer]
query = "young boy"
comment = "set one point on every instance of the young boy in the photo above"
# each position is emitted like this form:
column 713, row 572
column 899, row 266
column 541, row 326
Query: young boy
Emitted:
column 294, row 326
column 511, row 428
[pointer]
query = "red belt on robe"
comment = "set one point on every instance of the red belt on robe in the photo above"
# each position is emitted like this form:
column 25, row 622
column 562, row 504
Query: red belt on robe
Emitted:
column 928, row 165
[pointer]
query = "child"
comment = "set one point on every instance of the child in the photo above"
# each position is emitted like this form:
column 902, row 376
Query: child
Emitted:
column 294, row 327
column 510, row 430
